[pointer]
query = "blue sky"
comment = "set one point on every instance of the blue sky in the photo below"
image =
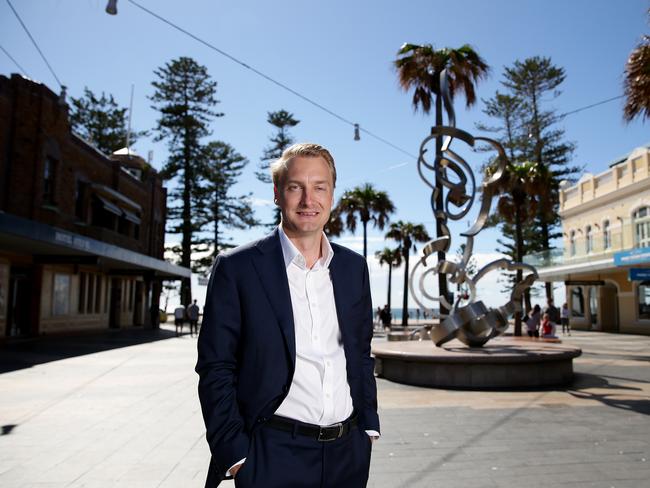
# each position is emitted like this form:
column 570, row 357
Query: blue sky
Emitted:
column 340, row 53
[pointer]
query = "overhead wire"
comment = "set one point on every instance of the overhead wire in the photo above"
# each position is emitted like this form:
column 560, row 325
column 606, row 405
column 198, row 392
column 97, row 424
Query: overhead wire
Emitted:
column 29, row 34
column 23, row 71
column 269, row 78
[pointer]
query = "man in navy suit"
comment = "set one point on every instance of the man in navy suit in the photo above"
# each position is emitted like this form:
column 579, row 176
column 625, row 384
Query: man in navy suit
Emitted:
column 286, row 383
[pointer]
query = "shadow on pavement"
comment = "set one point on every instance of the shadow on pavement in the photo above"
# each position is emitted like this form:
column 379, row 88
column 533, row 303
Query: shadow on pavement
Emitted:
column 28, row 353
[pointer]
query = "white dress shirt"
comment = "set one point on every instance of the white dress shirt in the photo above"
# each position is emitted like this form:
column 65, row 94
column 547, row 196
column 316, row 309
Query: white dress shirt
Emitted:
column 319, row 393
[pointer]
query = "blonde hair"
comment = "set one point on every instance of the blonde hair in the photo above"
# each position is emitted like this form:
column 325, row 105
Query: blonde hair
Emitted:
column 303, row 149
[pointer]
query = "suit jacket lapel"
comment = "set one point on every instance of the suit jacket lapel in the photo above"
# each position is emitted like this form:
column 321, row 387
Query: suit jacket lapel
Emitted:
column 340, row 285
column 269, row 265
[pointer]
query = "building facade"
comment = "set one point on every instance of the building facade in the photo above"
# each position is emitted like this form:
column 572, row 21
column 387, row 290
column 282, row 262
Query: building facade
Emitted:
column 605, row 259
column 81, row 233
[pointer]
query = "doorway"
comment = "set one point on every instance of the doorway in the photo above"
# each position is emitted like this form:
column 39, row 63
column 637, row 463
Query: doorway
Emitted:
column 609, row 308
column 115, row 304
column 19, row 312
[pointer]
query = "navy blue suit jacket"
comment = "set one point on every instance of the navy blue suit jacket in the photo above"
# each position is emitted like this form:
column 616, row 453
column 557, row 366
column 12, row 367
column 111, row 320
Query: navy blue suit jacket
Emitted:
column 247, row 347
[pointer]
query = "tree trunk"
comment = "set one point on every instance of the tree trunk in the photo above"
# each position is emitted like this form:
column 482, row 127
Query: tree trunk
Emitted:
column 439, row 206
column 405, row 299
column 186, row 244
column 520, row 251
column 365, row 239
column 390, row 279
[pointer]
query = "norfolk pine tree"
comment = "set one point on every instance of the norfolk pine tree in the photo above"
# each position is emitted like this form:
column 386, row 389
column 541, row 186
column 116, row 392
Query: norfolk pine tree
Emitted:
column 217, row 209
column 533, row 81
column 101, row 121
column 282, row 121
column 185, row 97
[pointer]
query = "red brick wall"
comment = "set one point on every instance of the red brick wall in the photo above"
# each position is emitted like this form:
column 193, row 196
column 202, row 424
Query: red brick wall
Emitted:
column 34, row 124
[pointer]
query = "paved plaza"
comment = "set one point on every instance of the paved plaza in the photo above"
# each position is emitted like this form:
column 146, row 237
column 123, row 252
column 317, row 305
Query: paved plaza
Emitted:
column 121, row 409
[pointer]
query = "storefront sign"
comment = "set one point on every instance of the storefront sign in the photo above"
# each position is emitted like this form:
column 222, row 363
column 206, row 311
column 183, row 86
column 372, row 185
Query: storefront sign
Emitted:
column 639, row 274
column 635, row 256
column 584, row 283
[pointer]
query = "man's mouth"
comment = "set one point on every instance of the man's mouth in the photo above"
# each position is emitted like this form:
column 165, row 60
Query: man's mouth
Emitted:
column 308, row 214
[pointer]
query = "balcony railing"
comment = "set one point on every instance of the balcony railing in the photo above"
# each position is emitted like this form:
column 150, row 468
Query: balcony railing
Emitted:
column 581, row 246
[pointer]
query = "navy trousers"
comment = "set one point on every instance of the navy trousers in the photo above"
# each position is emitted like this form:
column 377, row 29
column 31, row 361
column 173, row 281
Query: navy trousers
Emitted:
column 282, row 459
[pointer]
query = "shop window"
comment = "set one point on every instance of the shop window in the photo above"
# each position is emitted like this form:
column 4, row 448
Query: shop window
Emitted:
column 642, row 227
column 61, row 294
column 49, row 179
column 607, row 235
column 81, row 191
column 82, row 292
column 593, row 304
column 577, row 302
column 90, row 295
column 589, row 239
column 98, row 294
column 643, row 299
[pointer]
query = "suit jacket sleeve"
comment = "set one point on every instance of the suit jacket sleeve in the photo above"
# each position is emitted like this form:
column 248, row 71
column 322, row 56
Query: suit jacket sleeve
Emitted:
column 217, row 367
column 367, row 361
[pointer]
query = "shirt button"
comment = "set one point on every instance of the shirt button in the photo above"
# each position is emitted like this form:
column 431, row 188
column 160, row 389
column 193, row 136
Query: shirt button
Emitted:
column 315, row 337
column 327, row 395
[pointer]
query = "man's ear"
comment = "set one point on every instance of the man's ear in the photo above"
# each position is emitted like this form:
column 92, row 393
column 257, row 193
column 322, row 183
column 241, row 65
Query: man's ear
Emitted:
column 275, row 194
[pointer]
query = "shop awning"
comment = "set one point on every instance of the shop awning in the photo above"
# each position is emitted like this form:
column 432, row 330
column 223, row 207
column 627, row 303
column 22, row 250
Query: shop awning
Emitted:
column 28, row 237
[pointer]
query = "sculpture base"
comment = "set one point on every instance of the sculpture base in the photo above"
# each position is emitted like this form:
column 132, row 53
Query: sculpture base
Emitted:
column 502, row 363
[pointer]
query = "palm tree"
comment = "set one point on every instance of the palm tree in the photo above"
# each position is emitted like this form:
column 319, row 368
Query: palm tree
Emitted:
column 407, row 234
column 637, row 82
column 366, row 204
column 526, row 191
column 393, row 258
column 420, row 67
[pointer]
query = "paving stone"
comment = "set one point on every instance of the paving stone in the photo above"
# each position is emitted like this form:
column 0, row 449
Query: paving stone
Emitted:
column 124, row 411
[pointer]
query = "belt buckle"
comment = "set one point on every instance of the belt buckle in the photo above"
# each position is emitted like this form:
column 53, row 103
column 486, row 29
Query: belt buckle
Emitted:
column 324, row 429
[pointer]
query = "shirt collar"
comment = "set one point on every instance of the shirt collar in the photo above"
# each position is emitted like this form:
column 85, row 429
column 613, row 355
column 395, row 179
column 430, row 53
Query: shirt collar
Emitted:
column 291, row 253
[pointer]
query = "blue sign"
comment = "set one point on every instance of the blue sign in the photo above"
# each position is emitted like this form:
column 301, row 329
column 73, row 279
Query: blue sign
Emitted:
column 634, row 256
column 639, row 274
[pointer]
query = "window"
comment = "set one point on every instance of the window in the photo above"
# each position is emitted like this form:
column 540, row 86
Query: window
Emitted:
column 642, row 227
column 577, row 302
column 589, row 240
column 82, row 292
column 643, row 298
column 61, row 295
column 98, row 294
column 81, row 191
column 607, row 235
column 90, row 293
column 572, row 243
column 49, row 179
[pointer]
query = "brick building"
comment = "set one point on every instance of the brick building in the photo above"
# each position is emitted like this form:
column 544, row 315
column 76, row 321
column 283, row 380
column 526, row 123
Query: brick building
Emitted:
column 81, row 234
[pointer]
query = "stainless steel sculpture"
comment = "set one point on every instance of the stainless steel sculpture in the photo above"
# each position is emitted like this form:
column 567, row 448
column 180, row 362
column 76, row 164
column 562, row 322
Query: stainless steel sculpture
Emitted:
column 469, row 319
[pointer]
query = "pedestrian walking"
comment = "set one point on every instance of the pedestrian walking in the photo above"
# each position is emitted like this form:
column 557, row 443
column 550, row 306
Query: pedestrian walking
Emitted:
column 179, row 318
column 564, row 316
column 386, row 317
column 193, row 317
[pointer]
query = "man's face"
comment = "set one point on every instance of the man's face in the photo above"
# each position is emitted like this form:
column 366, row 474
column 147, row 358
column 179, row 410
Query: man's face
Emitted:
column 305, row 195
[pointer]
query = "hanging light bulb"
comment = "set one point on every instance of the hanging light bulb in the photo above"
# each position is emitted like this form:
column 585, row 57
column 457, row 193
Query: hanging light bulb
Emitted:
column 111, row 8
column 357, row 137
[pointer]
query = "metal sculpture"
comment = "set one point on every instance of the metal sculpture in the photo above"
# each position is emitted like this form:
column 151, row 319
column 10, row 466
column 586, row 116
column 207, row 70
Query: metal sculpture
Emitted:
column 469, row 319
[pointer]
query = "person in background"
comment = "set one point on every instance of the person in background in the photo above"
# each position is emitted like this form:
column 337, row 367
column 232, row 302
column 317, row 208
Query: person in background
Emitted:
column 532, row 322
column 179, row 318
column 564, row 315
column 548, row 327
column 552, row 311
column 193, row 317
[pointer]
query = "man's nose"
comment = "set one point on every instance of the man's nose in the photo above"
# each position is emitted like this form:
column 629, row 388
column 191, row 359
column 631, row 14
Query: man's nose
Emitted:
column 307, row 196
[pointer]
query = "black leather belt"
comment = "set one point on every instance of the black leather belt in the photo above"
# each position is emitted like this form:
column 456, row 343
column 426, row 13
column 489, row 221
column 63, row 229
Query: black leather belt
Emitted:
column 318, row 432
